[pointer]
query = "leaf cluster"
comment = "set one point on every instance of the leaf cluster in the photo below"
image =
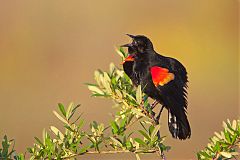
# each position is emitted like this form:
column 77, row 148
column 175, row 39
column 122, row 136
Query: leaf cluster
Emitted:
column 74, row 141
column 7, row 151
column 224, row 145
column 133, row 108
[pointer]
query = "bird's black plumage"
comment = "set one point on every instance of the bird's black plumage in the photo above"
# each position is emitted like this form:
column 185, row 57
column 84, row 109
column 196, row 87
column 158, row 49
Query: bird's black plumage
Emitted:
column 128, row 65
column 148, row 70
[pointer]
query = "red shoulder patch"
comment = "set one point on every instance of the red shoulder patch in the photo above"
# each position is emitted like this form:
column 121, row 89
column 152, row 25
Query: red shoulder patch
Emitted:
column 161, row 76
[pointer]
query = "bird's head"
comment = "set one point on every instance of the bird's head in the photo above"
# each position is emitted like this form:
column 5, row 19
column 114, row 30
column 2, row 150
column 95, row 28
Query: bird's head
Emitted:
column 139, row 44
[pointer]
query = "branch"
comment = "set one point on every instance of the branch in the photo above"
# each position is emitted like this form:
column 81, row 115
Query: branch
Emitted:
column 111, row 152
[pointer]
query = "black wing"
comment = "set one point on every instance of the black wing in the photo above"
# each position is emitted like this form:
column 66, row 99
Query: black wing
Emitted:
column 174, row 98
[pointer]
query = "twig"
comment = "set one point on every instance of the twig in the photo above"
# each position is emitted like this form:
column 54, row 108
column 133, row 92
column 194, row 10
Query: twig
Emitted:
column 217, row 155
column 109, row 152
column 130, row 124
column 155, row 122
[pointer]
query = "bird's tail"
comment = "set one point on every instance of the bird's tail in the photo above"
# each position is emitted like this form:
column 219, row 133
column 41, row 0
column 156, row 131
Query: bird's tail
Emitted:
column 179, row 125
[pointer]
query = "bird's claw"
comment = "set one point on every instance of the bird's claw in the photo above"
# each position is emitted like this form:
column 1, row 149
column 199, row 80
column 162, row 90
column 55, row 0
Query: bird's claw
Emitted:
column 153, row 105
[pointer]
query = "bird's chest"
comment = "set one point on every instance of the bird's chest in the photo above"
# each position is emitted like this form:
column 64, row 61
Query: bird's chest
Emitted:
column 141, row 64
column 140, row 67
column 140, row 70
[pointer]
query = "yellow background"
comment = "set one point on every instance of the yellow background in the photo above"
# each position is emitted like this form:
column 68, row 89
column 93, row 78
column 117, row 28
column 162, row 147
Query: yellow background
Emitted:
column 48, row 49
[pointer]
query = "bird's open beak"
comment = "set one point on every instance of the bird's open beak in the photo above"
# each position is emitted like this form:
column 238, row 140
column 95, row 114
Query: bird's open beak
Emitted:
column 131, row 36
column 127, row 45
column 130, row 44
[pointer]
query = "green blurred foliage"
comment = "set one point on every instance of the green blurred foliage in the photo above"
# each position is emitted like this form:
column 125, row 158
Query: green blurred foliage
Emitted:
column 224, row 145
column 7, row 151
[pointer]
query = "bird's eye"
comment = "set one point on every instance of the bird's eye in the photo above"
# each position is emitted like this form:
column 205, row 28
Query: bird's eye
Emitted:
column 139, row 42
column 134, row 43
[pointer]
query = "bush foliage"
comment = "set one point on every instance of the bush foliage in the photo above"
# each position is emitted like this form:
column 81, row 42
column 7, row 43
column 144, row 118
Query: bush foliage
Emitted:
column 72, row 140
column 224, row 145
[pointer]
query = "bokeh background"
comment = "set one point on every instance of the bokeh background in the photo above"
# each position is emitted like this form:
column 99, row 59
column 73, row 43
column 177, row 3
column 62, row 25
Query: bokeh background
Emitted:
column 49, row 49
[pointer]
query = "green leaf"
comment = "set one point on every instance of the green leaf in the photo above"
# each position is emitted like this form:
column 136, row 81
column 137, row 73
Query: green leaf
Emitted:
column 227, row 136
column 30, row 150
column 116, row 141
column 106, row 77
column 226, row 154
column 155, row 131
column 111, row 68
column 123, row 122
column 95, row 89
column 216, row 147
column 99, row 95
column 20, row 157
column 120, row 52
column 139, row 95
column 138, row 140
column 218, row 135
column 234, row 138
column 57, row 132
column 130, row 96
column 150, row 129
column 60, row 118
column 95, row 124
column 38, row 141
column 90, row 84
column 80, row 124
column 119, row 94
column 129, row 145
column 115, row 127
column 143, row 126
column 138, row 112
column 10, row 153
column 62, row 109
column 124, row 139
column 5, row 145
column 234, row 125
column 84, row 149
column 206, row 155
column 145, row 135
column 33, row 157
column 69, row 110
column 106, row 82
column 73, row 111
column 44, row 135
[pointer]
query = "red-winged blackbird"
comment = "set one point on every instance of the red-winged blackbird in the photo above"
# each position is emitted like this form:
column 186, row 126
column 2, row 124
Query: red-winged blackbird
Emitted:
column 162, row 78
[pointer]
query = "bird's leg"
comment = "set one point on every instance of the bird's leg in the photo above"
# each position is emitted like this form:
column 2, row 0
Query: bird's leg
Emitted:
column 153, row 105
column 159, row 114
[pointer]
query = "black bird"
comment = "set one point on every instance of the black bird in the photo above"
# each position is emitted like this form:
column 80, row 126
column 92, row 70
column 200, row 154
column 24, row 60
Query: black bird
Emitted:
column 162, row 78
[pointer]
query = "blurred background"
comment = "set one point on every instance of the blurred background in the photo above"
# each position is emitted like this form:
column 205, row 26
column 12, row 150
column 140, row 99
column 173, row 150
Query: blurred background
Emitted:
column 49, row 49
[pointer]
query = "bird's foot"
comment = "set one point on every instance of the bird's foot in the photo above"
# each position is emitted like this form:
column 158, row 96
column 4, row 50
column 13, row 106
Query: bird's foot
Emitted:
column 153, row 105
column 159, row 114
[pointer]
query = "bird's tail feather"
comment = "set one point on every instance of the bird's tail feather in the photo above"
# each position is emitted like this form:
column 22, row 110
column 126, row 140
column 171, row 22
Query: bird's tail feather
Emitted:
column 179, row 126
